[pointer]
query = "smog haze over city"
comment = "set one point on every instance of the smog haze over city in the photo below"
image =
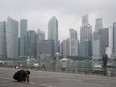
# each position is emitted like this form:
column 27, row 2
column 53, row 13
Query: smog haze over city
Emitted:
column 63, row 43
column 68, row 12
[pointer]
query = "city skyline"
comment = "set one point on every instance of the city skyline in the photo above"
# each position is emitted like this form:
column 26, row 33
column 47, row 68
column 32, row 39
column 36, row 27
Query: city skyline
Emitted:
column 68, row 13
column 100, row 40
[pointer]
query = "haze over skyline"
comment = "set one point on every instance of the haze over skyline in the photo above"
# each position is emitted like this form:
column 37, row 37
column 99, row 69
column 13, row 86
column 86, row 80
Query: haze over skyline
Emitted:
column 68, row 12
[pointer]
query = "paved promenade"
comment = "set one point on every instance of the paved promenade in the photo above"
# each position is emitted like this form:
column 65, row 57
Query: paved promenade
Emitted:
column 56, row 79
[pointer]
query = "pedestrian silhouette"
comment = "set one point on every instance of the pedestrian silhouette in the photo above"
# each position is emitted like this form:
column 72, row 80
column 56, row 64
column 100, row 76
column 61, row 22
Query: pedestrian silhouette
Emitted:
column 105, row 59
column 22, row 76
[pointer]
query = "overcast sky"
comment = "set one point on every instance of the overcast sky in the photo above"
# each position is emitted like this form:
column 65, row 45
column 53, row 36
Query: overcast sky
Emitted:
column 68, row 13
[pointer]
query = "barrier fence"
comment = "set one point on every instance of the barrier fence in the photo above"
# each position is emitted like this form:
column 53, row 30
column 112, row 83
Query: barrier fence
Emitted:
column 109, row 71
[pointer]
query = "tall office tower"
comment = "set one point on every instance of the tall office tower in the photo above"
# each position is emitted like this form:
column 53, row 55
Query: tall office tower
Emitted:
column 12, row 38
column 104, row 40
column 85, row 19
column 2, row 39
column 23, row 37
column 96, row 39
column 111, row 38
column 85, row 37
column 96, row 47
column 31, row 44
column 65, row 48
column 109, row 49
column 46, row 52
column 73, row 33
column 99, row 24
column 73, row 43
column 46, row 47
column 40, row 35
column 53, row 32
column 58, row 46
column 19, row 47
column 114, row 37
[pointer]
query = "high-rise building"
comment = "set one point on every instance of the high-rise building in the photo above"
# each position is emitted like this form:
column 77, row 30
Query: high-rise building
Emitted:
column 40, row 35
column 19, row 47
column 111, row 38
column 23, row 37
column 96, row 48
column 96, row 39
column 73, row 43
column 85, row 36
column 31, row 44
column 104, row 40
column 99, row 24
column 53, row 32
column 109, row 49
column 46, row 47
column 65, row 48
column 73, row 33
column 101, row 43
column 85, row 19
column 2, row 39
column 12, row 38
column 114, row 37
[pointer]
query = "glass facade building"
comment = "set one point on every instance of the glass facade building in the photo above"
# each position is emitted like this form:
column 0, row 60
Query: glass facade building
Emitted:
column 12, row 38
column 73, row 43
column 23, row 37
column 2, row 39
column 53, row 32
column 114, row 37
column 85, row 37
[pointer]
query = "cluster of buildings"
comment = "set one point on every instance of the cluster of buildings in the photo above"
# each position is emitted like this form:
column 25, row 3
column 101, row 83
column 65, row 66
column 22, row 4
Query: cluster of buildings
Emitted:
column 98, row 42
column 16, row 41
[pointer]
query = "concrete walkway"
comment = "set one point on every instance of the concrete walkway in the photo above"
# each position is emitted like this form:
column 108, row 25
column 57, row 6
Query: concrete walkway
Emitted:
column 56, row 79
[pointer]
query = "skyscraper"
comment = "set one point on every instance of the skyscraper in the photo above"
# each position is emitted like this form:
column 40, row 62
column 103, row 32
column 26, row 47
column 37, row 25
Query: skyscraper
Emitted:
column 2, row 39
column 40, row 35
column 111, row 38
column 104, row 40
column 99, row 24
column 65, row 48
column 12, row 38
column 31, row 51
column 23, row 37
column 73, row 33
column 85, row 37
column 73, row 42
column 114, row 37
column 53, row 32
column 85, row 19
column 46, row 47
column 109, row 49
column 96, row 38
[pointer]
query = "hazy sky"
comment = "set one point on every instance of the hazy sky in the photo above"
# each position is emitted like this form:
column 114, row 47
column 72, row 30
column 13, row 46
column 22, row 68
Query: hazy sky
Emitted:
column 68, row 13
